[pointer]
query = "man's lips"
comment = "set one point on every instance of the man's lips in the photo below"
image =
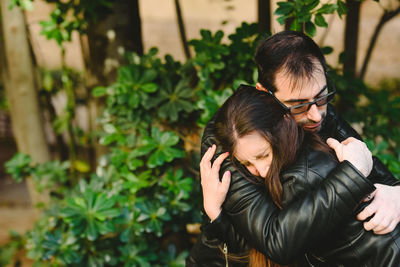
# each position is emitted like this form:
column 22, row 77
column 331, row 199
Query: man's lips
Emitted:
column 312, row 126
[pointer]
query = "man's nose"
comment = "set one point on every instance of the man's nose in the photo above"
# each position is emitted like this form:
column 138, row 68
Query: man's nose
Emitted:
column 314, row 114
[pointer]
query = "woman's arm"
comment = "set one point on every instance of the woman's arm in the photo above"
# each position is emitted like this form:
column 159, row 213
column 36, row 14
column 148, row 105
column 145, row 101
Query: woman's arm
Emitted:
column 284, row 235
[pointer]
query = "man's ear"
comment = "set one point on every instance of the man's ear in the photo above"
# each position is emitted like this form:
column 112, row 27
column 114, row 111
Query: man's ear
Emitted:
column 260, row 87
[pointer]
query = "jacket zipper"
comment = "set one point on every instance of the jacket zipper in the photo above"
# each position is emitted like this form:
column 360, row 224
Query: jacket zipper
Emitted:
column 226, row 255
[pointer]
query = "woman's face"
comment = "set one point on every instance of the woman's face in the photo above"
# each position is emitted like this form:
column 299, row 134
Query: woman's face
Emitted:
column 255, row 153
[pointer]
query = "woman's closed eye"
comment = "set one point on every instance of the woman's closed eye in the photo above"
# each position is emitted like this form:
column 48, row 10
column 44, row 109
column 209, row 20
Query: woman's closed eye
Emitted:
column 246, row 163
column 263, row 156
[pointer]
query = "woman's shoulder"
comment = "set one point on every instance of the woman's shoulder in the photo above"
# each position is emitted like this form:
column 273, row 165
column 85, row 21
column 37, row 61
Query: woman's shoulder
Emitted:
column 306, row 173
column 320, row 162
column 311, row 161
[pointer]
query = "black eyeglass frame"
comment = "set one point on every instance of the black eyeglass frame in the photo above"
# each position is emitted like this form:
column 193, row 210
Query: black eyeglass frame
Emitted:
column 329, row 96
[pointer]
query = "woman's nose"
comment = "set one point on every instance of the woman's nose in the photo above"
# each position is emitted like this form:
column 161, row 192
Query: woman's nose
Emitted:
column 262, row 169
column 253, row 170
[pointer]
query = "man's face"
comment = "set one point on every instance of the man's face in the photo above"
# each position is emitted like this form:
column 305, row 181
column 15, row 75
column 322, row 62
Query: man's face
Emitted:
column 303, row 90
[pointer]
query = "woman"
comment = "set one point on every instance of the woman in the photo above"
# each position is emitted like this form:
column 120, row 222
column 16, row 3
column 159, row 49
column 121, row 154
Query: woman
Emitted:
column 256, row 132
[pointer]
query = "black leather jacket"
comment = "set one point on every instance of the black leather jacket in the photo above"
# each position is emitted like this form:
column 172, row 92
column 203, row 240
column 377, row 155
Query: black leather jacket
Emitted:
column 348, row 244
column 284, row 235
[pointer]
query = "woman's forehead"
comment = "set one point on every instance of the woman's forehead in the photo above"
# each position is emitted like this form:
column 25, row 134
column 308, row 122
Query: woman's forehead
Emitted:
column 250, row 146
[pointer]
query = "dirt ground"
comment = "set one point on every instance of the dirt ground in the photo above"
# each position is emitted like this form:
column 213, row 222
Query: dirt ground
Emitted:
column 160, row 29
column 16, row 212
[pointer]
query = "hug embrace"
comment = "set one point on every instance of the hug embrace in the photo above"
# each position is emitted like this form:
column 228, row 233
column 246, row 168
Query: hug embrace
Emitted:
column 291, row 183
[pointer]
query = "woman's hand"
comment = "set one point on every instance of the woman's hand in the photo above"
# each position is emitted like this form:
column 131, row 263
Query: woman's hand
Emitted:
column 214, row 190
column 354, row 151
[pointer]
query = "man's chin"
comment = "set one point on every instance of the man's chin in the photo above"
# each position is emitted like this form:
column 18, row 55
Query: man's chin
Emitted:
column 313, row 127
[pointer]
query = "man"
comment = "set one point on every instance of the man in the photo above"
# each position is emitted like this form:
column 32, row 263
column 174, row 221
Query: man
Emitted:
column 282, row 77
column 292, row 69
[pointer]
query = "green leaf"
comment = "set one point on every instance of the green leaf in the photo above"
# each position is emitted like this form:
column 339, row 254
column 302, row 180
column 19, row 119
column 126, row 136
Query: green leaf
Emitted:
column 295, row 26
column 284, row 8
column 311, row 29
column 149, row 87
column 133, row 164
column 326, row 50
column 282, row 19
column 148, row 76
column 310, row 5
column 304, row 16
column 155, row 134
column 99, row 91
column 111, row 213
column 168, row 139
column 156, row 159
column 144, row 150
column 320, row 20
column 342, row 8
column 91, row 231
column 206, row 35
column 327, row 9
column 19, row 166
column 134, row 100
column 102, row 202
column 218, row 36
column 170, row 153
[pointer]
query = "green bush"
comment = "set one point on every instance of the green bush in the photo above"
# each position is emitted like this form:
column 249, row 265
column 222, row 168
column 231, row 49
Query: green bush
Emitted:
column 375, row 112
column 134, row 209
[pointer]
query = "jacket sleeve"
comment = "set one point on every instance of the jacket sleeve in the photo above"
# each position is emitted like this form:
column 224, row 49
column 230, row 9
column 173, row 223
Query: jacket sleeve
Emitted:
column 283, row 235
column 335, row 126
column 207, row 251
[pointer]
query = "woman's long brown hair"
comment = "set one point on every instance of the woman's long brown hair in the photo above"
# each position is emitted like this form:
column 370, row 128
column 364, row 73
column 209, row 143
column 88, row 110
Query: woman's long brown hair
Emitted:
column 249, row 110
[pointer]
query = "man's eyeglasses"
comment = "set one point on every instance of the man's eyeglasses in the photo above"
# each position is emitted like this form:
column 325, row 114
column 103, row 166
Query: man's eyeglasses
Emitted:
column 298, row 109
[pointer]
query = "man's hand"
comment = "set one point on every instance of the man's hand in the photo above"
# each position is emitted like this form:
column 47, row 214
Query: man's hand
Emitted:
column 385, row 209
column 214, row 191
column 354, row 151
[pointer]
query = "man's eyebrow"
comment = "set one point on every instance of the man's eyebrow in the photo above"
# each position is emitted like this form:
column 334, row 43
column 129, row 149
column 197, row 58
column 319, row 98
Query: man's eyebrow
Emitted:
column 306, row 100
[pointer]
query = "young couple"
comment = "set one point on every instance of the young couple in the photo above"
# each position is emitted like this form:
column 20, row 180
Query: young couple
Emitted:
column 305, row 215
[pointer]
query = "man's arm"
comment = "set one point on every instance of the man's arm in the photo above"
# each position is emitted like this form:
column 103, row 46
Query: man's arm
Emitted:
column 336, row 127
column 385, row 207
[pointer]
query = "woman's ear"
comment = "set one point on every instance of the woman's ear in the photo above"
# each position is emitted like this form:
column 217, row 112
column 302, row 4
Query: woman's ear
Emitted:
column 260, row 87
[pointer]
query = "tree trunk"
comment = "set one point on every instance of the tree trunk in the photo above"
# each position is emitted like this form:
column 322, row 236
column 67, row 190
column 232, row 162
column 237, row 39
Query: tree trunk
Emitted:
column 264, row 15
column 182, row 31
column 118, row 31
column 351, row 36
column 108, row 39
column 19, row 77
column 387, row 15
column 288, row 21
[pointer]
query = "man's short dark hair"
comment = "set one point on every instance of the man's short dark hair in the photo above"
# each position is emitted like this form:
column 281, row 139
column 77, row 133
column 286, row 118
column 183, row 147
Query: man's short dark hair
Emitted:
column 291, row 51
